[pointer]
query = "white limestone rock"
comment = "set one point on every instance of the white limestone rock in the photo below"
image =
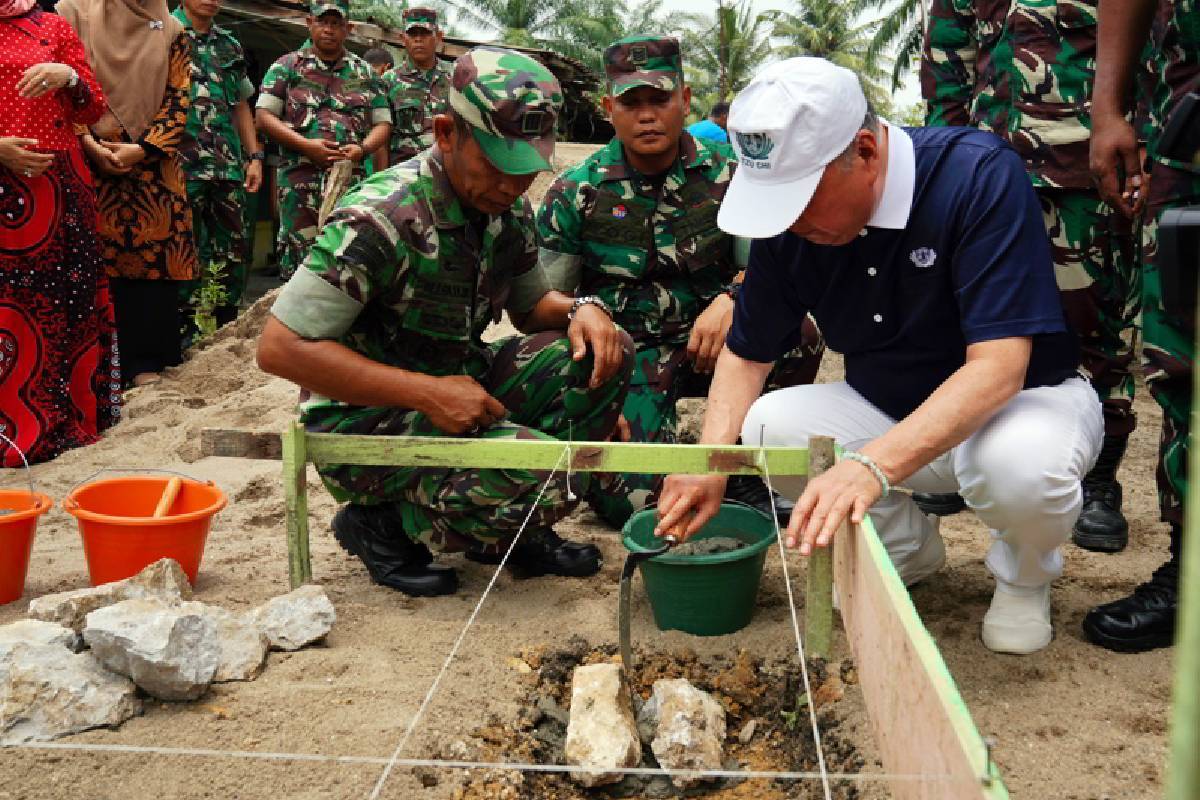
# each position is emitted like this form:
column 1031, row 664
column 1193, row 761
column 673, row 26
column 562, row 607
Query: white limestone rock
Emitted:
column 170, row 652
column 46, row 691
column 243, row 647
column 295, row 619
column 602, row 734
column 36, row 631
column 163, row 580
column 689, row 728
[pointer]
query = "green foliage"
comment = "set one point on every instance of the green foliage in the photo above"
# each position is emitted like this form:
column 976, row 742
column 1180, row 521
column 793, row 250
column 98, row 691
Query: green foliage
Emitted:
column 793, row 719
column 722, row 51
column 584, row 28
column 208, row 297
column 521, row 23
column 901, row 30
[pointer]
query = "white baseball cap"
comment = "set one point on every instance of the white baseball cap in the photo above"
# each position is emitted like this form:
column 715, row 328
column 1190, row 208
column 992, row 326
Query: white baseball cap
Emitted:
column 794, row 118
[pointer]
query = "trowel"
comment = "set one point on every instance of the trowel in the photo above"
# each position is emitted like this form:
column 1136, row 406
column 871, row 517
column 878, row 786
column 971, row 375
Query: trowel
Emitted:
column 625, row 601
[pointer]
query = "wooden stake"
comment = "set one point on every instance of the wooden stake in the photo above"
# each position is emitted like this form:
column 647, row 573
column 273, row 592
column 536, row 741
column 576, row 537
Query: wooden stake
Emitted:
column 170, row 492
column 295, row 494
column 1184, row 773
column 818, row 603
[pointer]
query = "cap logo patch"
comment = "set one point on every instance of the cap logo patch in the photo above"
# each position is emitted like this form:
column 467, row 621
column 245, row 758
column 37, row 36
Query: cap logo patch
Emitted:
column 531, row 123
column 620, row 212
column 638, row 55
column 755, row 146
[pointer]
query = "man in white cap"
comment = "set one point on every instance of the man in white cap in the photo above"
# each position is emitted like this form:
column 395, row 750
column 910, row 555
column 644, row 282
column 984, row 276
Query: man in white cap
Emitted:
column 922, row 256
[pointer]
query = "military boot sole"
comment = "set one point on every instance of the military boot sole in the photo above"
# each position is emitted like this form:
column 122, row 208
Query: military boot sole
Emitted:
column 1100, row 542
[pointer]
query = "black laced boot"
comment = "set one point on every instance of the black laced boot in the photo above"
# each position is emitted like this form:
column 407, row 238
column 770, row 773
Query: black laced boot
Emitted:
column 541, row 551
column 751, row 490
column 376, row 535
column 939, row 505
column 1145, row 619
column 1101, row 526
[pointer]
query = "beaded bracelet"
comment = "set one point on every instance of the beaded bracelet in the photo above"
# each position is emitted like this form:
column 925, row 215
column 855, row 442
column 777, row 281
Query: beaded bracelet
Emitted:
column 867, row 462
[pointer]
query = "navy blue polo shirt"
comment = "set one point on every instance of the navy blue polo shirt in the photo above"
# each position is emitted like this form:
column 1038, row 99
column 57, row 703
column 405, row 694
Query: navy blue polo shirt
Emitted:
column 971, row 264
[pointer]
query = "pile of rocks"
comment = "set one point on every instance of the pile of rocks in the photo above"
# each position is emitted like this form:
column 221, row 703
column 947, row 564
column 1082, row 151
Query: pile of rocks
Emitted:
column 82, row 658
column 683, row 726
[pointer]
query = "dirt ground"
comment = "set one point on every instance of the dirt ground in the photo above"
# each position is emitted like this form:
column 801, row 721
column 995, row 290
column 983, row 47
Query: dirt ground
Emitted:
column 1071, row 723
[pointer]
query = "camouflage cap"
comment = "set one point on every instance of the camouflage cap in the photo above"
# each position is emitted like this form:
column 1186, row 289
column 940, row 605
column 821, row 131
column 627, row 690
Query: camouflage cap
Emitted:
column 319, row 7
column 511, row 103
column 420, row 17
column 643, row 61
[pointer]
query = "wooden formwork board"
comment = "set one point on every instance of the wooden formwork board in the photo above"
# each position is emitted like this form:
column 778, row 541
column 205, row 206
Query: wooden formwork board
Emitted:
column 920, row 721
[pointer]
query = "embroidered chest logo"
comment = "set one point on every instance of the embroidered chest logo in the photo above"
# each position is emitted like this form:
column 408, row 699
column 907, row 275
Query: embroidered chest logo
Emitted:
column 756, row 149
column 923, row 257
column 620, row 212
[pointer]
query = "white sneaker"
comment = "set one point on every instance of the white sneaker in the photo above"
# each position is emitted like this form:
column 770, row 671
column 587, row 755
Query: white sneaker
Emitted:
column 1018, row 620
column 929, row 558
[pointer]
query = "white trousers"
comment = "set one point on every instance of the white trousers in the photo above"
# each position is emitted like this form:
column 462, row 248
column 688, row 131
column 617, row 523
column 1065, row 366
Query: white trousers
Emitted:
column 1020, row 473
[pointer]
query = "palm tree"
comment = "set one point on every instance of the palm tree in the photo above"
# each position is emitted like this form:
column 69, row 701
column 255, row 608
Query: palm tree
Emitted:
column 586, row 27
column 523, row 23
column 901, row 30
column 723, row 50
column 831, row 29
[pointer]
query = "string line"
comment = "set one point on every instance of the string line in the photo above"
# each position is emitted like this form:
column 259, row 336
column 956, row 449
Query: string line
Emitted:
column 412, row 725
column 787, row 581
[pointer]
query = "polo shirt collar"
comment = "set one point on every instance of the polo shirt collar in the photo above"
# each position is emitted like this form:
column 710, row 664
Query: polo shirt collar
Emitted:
column 899, row 182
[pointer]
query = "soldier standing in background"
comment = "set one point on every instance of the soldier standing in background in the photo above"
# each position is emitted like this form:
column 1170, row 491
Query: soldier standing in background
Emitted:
column 1024, row 70
column 417, row 87
column 221, row 157
column 1146, row 618
column 633, row 230
column 321, row 104
column 383, row 327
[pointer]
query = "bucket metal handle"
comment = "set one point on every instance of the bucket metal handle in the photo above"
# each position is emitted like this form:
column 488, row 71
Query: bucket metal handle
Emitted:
column 25, row 461
column 68, row 503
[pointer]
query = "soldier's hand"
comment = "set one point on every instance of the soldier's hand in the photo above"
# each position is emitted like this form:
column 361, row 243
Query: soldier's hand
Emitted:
column 1114, row 150
column 323, row 153
column 253, row 181
column 686, row 503
column 709, row 332
column 460, row 405
column 353, row 152
column 593, row 329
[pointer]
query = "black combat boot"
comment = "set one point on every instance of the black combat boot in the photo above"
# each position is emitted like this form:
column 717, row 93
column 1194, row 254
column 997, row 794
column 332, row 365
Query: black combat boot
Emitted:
column 939, row 505
column 1145, row 619
column 376, row 535
column 1101, row 527
column 751, row 490
column 541, row 551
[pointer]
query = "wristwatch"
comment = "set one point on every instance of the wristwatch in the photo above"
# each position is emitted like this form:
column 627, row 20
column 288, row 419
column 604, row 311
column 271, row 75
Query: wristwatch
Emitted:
column 588, row 300
column 732, row 290
column 74, row 79
column 257, row 155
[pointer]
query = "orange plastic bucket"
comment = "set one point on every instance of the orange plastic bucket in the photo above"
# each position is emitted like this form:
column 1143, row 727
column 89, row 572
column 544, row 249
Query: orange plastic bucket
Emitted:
column 120, row 534
column 16, row 538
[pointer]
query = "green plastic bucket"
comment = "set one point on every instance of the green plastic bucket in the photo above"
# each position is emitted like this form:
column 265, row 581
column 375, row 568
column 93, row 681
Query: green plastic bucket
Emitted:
column 705, row 595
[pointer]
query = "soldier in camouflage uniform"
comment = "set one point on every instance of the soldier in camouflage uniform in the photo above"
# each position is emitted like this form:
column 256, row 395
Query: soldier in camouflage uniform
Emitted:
column 1146, row 619
column 220, row 169
column 417, row 87
column 1023, row 69
column 635, row 225
column 321, row 104
column 382, row 327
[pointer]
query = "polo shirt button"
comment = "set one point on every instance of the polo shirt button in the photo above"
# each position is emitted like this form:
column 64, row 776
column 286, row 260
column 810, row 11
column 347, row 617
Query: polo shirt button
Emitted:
column 872, row 271
column 878, row 317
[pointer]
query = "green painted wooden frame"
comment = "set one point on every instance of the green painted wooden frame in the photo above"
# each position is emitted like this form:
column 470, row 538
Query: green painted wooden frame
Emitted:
column 947, row 708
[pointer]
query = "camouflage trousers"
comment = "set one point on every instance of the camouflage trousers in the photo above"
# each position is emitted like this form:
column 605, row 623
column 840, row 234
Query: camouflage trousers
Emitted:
column 1098, row 270
column 300, row 189
column 219, row 226
column 452, row 510
column 662, row 374
column 1169, row 346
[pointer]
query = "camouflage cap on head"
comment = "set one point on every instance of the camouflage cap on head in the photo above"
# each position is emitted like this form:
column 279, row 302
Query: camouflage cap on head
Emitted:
column 420, row 17
column 511, row 103
column 319, row 7
column 643, row 61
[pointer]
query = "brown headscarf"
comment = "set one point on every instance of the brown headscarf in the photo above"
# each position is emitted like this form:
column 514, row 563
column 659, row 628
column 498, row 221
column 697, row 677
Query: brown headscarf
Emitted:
column 128, row 44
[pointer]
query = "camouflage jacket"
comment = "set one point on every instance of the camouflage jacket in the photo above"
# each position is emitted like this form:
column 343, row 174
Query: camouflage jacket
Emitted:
column 1175, row 44
column 1022, row 69
column 339, row 104
column 212, row 149
column 653, row 253
column 406, row 275
column 416, row 97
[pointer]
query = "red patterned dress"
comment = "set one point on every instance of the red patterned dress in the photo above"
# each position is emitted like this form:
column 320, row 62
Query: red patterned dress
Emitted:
column 59, row 372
